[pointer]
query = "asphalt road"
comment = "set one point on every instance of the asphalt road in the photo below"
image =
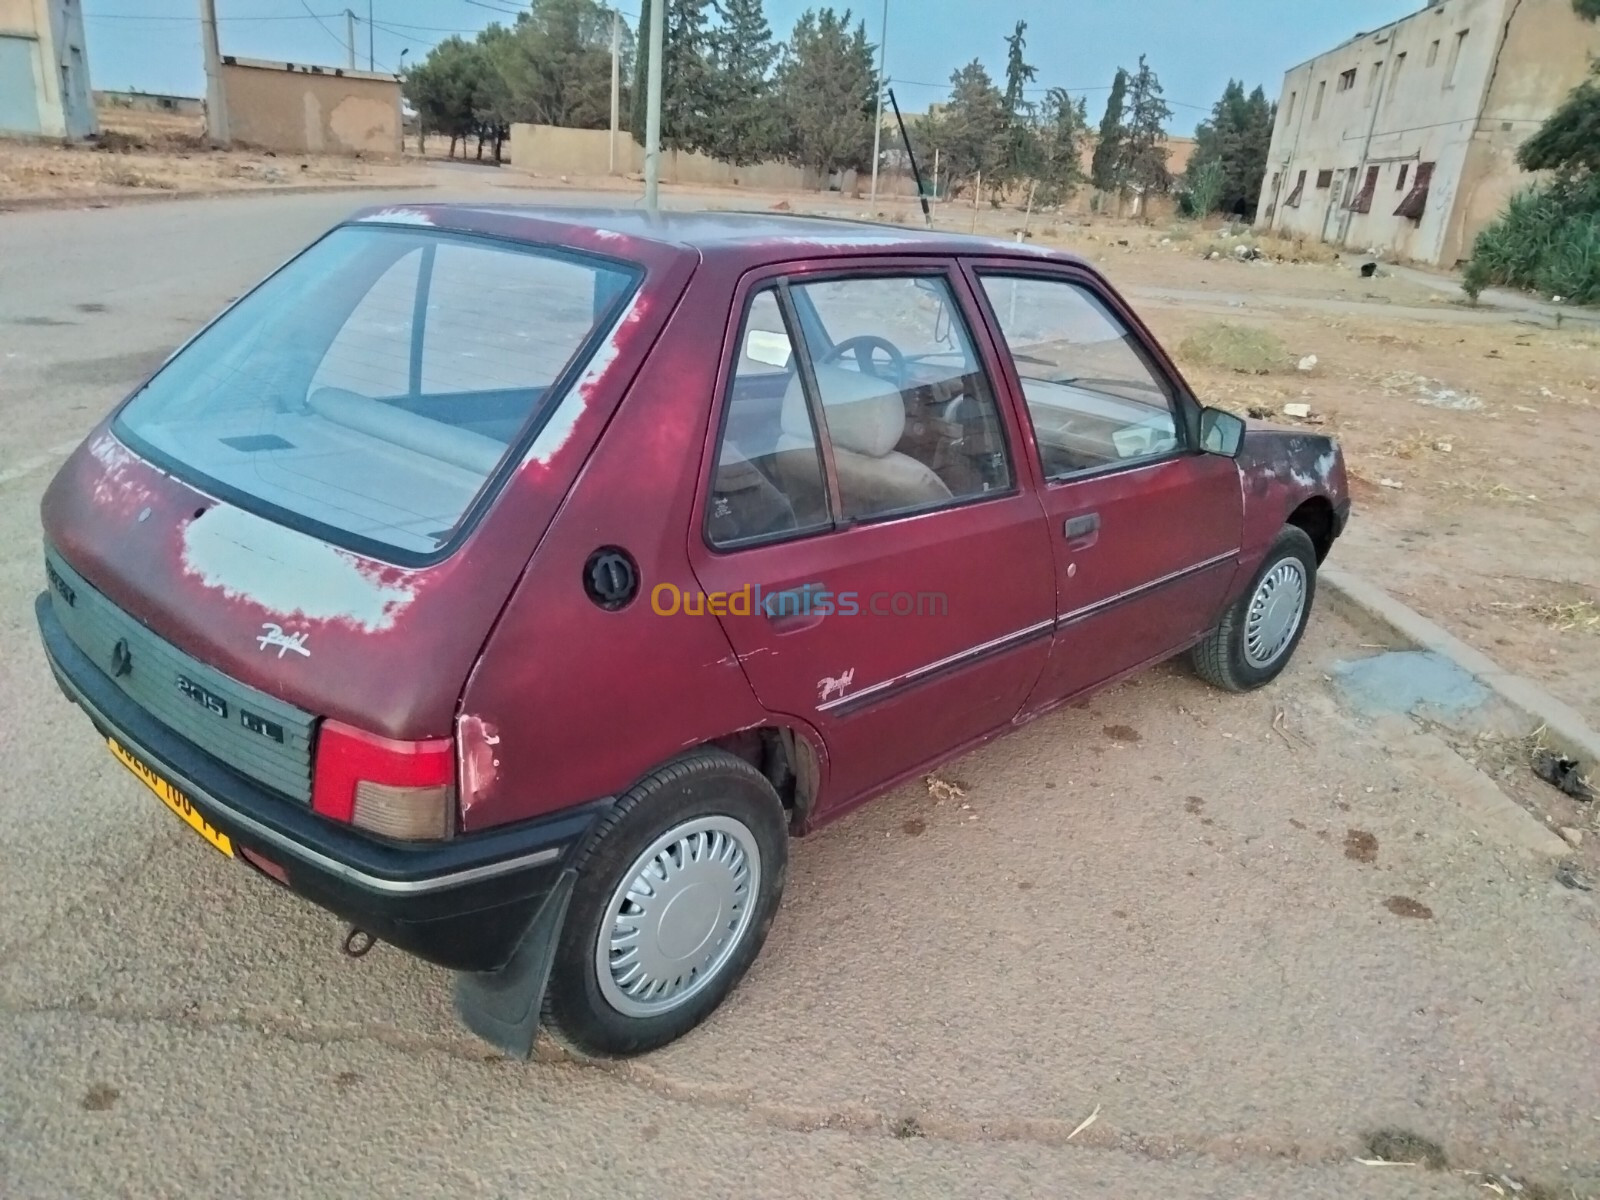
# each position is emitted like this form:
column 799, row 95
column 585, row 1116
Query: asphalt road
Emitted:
column 1156, row 909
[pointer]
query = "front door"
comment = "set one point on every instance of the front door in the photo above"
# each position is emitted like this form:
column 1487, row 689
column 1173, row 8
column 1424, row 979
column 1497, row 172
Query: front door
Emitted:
column 1144, row 527
column 882, row 574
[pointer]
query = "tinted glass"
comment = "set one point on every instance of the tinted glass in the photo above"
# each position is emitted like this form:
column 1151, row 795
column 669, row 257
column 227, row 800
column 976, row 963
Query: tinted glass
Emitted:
column 1094, row 399
column 375, row 383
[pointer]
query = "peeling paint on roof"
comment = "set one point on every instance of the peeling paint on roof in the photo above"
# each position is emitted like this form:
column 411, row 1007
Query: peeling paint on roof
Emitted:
column 400, row 216
column 290, row 574
column 558, row 429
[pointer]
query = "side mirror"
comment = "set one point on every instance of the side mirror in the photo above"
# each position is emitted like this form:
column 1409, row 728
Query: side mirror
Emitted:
column 763, row 346
column 1221, row 432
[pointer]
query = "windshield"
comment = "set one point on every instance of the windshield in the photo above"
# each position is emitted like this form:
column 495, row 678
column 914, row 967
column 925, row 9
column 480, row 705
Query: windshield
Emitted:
column 373, row 386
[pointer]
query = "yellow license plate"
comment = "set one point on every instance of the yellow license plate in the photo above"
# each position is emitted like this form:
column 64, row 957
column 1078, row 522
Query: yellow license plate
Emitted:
column 173, row 799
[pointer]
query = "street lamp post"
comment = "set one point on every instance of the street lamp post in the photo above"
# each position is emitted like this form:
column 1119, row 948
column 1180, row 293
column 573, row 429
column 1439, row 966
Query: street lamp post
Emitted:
column 652, row 116
column 877, row 116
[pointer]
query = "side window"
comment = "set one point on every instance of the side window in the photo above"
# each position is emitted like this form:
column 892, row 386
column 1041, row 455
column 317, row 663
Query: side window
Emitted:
column 768, row 481
column 910, row 415
column 1094, row 399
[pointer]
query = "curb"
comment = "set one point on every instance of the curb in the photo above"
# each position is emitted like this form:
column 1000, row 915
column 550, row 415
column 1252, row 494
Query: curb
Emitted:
column 115, row 199
column 1565, row 729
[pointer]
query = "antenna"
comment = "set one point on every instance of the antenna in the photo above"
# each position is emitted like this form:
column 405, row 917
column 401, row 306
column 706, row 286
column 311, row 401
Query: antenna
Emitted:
column 927, row 217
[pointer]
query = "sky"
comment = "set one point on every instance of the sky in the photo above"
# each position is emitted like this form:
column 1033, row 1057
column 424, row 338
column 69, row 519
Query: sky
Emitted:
column 1195, row 46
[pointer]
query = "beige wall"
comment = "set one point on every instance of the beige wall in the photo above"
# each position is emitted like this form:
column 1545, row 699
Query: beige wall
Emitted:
column 1547, row 53
column 297, row 109
column 1403, row 111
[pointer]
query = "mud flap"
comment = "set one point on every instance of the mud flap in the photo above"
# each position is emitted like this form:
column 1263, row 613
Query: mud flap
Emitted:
column 502, row 1007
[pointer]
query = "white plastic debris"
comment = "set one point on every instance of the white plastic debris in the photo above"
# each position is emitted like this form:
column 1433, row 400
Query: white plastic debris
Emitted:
column 1308, row 363
column 1391, row 483
column 1297, row 410
column 1443, row 447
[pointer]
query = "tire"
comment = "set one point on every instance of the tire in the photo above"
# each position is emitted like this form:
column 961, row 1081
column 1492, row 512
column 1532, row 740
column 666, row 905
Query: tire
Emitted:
column 1239, row 656
column 707, row 827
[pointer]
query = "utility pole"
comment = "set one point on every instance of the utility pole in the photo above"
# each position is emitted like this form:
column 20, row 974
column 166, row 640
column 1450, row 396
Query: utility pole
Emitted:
column 616, row 81
column 652, row 117
column 877, row 116
column 372, row 61
column 216, row 103
column 350, row 36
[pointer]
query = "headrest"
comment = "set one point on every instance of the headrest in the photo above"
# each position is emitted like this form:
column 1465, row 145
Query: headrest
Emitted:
column 865, row 414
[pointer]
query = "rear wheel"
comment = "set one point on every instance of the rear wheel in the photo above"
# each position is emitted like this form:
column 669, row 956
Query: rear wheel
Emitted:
column 675, row 894
column 1257, row 636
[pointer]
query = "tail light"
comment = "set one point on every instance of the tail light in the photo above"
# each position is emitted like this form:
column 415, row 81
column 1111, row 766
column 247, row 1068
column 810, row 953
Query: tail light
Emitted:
column 397, row 789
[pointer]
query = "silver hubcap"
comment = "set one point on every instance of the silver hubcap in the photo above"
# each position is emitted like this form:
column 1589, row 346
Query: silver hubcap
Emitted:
column 1275, row 611
column 681, row 911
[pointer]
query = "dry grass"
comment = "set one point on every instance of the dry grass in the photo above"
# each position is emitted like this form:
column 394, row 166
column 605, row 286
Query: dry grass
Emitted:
column 1578, row 616
column 1240, row 348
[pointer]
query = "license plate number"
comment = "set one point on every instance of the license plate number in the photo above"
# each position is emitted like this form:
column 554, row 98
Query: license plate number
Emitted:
column 173, row 798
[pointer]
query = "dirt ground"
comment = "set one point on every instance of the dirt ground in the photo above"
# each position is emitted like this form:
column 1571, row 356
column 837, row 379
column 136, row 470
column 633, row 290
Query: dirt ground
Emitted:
column 140, row 153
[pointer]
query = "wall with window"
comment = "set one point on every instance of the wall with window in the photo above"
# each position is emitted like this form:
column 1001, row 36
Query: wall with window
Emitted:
column 1416, row 97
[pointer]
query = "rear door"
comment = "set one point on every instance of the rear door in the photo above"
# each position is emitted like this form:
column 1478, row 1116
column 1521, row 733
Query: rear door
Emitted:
column 1143, row 526
column 884, row 577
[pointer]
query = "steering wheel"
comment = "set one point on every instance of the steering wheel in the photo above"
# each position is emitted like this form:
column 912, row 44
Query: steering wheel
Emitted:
column 865, row 348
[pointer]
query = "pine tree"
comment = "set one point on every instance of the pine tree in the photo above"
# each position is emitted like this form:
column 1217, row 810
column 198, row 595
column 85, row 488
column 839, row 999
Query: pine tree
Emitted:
column 1022, row 148
column 1237, row 138
column 973, row 128
column 1144, row 147
column 687, row 103
column 827, row 86
column 1060, row 128
column 746, row 128
column 1106, row 167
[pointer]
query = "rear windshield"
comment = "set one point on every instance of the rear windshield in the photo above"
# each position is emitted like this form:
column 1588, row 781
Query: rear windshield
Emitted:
column 370, row 389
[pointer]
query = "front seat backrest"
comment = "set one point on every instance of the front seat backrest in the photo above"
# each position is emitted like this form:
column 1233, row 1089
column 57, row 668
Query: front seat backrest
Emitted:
column 866, row 417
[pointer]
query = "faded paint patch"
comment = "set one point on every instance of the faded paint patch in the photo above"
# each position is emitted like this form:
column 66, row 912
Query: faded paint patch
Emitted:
column 558, row 429
column 400, row 216
column 478, row 744
column 118, row 486
column 290, row 574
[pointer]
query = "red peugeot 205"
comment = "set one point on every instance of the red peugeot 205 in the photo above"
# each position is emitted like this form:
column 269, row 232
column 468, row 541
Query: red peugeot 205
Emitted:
column 513, row 583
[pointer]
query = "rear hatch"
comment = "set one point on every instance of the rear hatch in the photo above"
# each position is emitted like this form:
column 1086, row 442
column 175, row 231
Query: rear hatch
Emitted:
column 319, row 506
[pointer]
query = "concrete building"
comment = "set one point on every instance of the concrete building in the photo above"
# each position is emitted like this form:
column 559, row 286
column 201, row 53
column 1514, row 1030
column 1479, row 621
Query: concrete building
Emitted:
column 44, row 70
column 155, row 102
column 1405, row 139
column 301, row 109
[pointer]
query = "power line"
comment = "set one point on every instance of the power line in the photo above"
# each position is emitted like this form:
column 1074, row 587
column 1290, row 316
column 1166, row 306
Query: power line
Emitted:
column 341, row 42
column 308, row 15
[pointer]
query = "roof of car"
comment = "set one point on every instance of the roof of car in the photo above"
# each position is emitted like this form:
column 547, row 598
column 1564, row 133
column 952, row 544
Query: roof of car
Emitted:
column 745, row 233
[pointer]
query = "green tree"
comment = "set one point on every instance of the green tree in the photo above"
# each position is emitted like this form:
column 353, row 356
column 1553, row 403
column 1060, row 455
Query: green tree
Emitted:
column 1236, row 137
column 747, row 127
column 827, row 92
column 555, row 65
column 1022, row 146
column 973, row 128
column 687, row 104
column 1106, row 169
column 1144, row 146
column 1059, row 129
column 447, row 88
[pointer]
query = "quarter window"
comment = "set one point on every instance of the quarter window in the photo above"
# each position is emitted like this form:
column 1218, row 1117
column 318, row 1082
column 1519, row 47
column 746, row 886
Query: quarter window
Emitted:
column 1094, row 399
column 768, row 482
column 912, row 421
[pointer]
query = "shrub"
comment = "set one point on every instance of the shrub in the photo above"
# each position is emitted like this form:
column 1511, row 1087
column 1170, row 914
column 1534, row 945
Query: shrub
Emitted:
column 1547, row 240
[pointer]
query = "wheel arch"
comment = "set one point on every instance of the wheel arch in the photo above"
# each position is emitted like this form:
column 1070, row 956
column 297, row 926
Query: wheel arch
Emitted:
column 787, row 757
column 1315, row 518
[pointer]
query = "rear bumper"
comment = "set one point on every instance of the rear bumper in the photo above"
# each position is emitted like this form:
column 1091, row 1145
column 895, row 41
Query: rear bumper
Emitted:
column 463, row 904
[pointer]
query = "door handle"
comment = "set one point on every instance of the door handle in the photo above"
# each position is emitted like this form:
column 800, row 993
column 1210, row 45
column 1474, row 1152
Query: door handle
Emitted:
column 1082, row 531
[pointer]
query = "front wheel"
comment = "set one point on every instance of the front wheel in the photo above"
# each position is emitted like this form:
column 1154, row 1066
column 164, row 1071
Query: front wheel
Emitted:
column 675, row 894
column 1257, row 636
